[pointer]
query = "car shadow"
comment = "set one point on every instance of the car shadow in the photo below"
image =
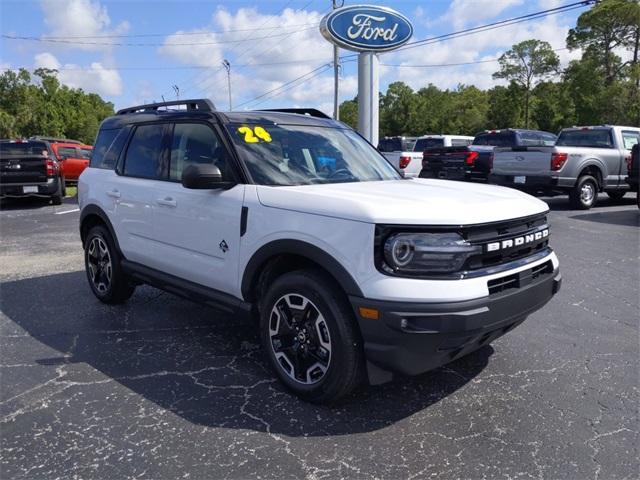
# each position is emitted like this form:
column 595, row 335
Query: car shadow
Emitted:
column 32, row 203
column 561, row 203
column 203, row 366
column 628, row 218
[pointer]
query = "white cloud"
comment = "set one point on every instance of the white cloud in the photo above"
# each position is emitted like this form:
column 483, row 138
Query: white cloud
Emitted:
column 474, row 48
column 462, row 12
column 287, row 46
column 95, row 78
column 80, row 18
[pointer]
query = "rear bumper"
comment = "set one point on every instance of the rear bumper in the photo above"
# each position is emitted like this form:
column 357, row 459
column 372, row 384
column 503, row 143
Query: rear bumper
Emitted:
column 411, row 338
column 531, row 183
column 17, row 190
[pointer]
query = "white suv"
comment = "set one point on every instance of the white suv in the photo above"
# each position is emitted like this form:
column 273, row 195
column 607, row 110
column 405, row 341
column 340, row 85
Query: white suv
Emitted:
column 354, row 272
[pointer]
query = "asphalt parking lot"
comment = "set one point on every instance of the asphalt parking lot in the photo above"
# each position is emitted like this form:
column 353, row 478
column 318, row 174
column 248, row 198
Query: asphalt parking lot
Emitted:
column 163, row 388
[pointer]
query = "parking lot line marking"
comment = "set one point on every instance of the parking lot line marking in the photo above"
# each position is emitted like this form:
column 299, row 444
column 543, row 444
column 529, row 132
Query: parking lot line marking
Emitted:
column 68, row 211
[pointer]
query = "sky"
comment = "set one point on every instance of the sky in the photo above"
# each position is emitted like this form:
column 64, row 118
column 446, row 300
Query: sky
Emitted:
column 134, row 52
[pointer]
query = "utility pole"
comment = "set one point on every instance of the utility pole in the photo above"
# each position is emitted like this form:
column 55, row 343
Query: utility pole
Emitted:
column 227, row 67
column 336, row 72
column 177, row 90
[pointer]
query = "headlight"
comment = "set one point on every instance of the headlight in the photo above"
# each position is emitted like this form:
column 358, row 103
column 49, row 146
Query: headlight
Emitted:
column 427, row 253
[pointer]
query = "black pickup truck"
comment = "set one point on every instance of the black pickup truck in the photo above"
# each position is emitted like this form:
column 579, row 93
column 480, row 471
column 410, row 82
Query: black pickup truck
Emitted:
column 474, row 162
column 29, row 168
column 633, row 168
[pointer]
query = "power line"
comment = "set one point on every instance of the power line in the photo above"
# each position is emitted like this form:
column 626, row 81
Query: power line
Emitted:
column 498, row 24
column 259, row 53
column 128, row 44
column 435, row 65
column 145, row 35
column 323, row 66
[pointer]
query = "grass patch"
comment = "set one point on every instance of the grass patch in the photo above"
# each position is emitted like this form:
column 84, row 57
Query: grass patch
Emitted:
column 71, row 191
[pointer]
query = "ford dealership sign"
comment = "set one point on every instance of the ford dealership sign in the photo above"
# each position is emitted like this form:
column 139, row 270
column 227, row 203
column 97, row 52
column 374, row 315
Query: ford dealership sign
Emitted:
column 366, row 28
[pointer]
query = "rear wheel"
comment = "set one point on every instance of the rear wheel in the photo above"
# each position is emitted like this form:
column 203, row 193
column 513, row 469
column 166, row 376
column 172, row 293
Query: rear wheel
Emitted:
column 310, row 337
column 104, row 272
column 616, row 195
column 56, row 198
column 584, row 194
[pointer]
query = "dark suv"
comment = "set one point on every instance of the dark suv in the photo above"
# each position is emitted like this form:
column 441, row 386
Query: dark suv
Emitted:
column 30, row 168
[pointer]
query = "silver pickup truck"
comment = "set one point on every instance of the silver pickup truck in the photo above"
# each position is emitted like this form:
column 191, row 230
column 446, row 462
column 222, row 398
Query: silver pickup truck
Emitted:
column 583, row 162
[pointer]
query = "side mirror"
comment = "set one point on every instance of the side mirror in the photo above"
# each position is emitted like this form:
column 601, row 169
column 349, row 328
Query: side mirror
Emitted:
column 203, row 177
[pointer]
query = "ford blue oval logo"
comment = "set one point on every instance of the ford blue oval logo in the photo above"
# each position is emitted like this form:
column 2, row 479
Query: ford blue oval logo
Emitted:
column 366, row 28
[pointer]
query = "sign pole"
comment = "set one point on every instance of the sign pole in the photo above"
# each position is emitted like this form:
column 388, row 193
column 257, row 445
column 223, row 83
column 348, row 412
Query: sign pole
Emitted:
column 368, row 96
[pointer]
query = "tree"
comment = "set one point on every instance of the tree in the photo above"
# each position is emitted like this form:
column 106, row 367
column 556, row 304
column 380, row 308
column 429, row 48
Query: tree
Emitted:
column 505, row 108
column 609, row 25
column 398, row 110
column 40, row 105
column 526, row 64
column 349, row 112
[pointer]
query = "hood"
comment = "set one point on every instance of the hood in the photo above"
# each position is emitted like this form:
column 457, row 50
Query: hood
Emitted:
column 406, row 202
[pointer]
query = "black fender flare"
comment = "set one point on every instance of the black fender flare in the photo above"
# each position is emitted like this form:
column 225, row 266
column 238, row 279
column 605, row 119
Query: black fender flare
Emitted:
column 94, row 210
column 302, row 249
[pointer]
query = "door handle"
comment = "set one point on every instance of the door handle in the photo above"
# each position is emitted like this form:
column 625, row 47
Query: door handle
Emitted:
column 114, row 193
column 167, row 202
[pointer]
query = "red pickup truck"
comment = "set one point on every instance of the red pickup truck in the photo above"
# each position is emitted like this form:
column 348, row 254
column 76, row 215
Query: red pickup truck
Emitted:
column 72, row 155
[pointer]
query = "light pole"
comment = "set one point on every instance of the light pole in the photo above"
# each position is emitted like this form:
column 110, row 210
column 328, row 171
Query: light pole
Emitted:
column 227, row 66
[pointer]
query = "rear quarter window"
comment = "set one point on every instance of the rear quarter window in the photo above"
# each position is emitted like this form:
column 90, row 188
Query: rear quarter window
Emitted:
column 107, row 148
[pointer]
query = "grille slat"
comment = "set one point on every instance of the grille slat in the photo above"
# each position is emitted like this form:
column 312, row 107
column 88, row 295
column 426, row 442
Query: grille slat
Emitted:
column 517, row 280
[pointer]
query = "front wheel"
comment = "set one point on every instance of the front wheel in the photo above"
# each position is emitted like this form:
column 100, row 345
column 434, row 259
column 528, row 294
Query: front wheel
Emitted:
column 310, row 337
column 104, row 272
column 584, row 194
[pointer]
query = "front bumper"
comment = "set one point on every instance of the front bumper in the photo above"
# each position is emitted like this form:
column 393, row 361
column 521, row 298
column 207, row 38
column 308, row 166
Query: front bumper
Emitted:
column 411, row 338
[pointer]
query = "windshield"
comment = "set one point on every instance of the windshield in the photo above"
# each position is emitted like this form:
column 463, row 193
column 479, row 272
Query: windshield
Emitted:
column 304, row 155
column 585, row 138
column 424, row 143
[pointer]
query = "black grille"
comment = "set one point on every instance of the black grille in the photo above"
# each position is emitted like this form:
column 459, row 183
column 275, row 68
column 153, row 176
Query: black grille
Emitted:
column 520, row 279
column 497, row 233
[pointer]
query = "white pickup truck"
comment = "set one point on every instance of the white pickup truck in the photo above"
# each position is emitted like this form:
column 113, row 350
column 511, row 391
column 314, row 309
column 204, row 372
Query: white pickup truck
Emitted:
column 583, row 162
column 410, row 162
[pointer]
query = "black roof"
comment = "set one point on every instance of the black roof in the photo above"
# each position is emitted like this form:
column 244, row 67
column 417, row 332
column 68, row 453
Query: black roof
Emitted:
column 204, row 110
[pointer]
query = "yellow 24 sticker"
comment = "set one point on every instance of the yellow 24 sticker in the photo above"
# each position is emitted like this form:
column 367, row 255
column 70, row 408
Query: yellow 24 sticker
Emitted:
column 254, row 136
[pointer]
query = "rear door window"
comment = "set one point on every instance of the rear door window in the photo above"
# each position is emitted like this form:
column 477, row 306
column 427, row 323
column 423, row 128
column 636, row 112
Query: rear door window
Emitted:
column 64, row 152
column 145, row 157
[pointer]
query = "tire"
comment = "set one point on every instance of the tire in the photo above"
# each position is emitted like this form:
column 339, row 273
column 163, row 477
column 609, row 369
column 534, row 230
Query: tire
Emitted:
column 57, row 197
column 584, row 194
column 103, row 266
column 323, row 359
column 616, row 195
column 64, row 188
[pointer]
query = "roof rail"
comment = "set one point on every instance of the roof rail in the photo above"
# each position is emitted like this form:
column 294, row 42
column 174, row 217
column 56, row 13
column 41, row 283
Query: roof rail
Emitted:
column 312, row 112
column 200, row 104
column 53, row 139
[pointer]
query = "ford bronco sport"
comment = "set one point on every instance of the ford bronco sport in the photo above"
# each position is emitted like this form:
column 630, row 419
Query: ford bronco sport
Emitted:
column 353, row 272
